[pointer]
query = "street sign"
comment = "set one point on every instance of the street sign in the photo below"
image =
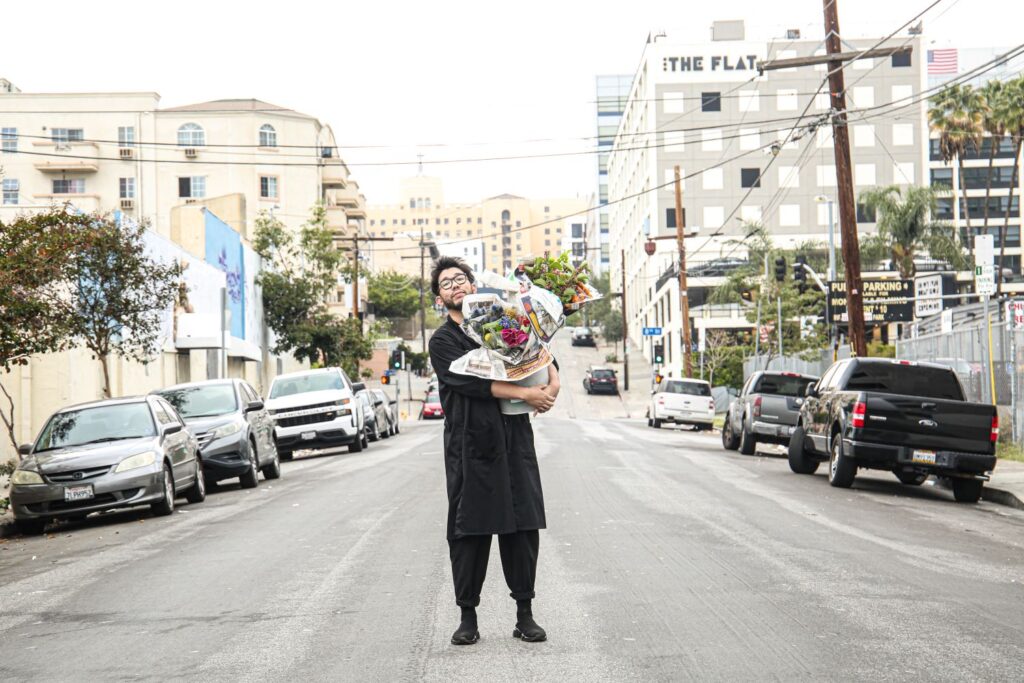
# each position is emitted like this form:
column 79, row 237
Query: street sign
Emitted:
column 1015, row 313
column 984, row 265
column 894, row 295
column 652, row 331
column 929, row 289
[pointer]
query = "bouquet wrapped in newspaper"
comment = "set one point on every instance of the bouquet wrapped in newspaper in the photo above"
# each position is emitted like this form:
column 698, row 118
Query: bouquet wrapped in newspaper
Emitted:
column 557, row 275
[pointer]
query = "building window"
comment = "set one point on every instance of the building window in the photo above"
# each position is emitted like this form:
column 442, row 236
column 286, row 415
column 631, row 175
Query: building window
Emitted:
column 506, row 216
column 268, row 187
column 547, row 243
column 63, row 136
column 127, row 187
column 519, row 224
column 192, row 187
column 69, row 186
column 750, row 177
column 191, row 135
column 126, row 136
column 11, row 190
column 711, row 101
column 577, row 231
column 8, row 140
column 670, row 217
column 901, row 59
column 547, row 231
column 268, row 136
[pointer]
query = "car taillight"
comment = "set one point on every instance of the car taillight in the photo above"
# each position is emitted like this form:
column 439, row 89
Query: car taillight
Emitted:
column 757, row 407
column 994, row 436
column 661, row 400
column 860, row 409
column 712, row 406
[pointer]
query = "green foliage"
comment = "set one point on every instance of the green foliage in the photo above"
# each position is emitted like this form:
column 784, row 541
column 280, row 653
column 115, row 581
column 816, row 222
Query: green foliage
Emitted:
column 120, row 294
column 417, row 362
column 393, row 295
column 605, row 311
column 556, row 274
column 877, row 349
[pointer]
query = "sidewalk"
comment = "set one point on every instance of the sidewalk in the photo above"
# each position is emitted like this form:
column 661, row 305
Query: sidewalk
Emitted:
column 1007, row 484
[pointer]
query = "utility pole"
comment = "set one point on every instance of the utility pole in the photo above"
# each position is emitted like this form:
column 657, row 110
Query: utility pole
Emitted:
column 684, row 299
column 355, row 271
column 844, row 181
column 423, row 310
column 625, row 329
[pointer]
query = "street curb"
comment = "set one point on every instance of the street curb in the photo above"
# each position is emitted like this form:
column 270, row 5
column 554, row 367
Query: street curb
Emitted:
column 7, row 526
column 1001, row 497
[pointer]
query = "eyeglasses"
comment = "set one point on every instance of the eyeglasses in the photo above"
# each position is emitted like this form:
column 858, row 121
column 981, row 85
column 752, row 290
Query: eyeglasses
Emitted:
column 459, row 279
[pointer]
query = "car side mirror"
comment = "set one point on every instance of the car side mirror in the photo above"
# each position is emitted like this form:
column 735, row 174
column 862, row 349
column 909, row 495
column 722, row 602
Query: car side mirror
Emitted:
column 25, row 449
column 392, row 402
column 653, row 392
column 812, row 391
column 357, row 387
column 253, row 406
column 172, row 428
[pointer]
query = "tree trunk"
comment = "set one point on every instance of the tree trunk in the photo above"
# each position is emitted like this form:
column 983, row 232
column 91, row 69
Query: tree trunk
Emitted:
column 9, row 422
column 994, row 142
column 104, row 361
column 1018, row 140
column 966, row 213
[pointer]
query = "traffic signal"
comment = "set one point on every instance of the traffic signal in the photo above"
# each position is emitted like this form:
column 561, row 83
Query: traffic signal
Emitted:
column 780, row 269
column 658, row 378
column 747, row 295
column 659, row 353
column 799, row 273
column 385, row 379
column 396, row 360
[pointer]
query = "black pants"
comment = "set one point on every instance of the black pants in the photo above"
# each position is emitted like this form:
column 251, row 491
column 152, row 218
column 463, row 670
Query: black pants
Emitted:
column 518, row 560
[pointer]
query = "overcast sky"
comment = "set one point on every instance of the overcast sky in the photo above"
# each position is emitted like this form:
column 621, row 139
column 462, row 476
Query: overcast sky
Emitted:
column 476, row 78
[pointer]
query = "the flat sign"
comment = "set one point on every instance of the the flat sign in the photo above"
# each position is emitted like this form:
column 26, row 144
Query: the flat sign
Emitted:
column 885, row 301
column 652, row 331
column 984, row 265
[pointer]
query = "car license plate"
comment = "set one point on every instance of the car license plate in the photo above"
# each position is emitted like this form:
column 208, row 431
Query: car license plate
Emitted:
column 82, row 492
column 924, row 457
column 308, row 436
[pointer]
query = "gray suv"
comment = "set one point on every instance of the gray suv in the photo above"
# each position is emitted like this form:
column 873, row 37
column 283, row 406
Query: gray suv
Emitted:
column 103, row 455
column 766, row 410
column 234, row 431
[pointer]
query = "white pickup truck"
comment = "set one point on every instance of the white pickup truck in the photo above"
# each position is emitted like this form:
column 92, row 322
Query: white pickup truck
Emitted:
column 682, row 401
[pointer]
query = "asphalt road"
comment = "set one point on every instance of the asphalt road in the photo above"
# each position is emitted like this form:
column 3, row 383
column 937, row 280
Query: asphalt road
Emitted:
column 666, row 558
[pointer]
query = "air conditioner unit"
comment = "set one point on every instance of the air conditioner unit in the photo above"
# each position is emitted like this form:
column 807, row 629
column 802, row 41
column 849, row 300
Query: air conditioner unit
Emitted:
column 191, row 152
column 127, row 152
column 128, row 204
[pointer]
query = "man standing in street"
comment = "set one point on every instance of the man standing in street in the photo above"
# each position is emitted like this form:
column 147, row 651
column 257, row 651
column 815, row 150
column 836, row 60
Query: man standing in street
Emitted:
column 490, row 464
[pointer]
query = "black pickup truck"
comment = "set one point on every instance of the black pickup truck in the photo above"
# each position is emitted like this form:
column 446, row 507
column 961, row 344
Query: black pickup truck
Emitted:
column 908, row 418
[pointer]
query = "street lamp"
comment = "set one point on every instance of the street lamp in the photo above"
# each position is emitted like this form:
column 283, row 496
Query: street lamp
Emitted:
column 822, row 199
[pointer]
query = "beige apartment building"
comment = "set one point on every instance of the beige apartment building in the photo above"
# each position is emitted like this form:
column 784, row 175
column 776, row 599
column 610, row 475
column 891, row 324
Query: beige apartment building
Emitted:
column 187, row 171
column 493, row 233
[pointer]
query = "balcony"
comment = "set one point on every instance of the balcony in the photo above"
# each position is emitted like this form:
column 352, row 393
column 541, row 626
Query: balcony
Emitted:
column 335, row 172
column 67, row 166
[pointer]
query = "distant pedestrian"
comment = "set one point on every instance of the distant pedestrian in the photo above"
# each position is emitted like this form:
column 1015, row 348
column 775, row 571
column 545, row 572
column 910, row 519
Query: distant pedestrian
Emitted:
column 490, row 464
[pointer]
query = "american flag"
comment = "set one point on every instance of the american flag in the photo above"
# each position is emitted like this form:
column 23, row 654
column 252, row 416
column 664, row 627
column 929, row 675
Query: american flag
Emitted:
column 942, row 61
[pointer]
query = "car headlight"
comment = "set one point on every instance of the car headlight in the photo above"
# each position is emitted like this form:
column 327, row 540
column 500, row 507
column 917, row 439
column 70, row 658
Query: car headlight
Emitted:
column 26, row 477
column 227, row 430
column 136, row 461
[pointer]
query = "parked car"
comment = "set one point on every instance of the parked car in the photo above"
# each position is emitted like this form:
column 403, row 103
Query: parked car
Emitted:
column 378, row 425
column 232, row 426
column 315, row 409
column 582, row 336
column 766, row 410
column 682, row 401
column 391, row 408
column 103, row 455
column 908, row 418
column 598, row 379
column 432, row 407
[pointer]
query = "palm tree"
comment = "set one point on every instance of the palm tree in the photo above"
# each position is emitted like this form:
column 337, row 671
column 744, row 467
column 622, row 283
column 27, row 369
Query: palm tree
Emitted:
column 1013, row 120
column 957, row 115
column 994, row 124
column 904, row 222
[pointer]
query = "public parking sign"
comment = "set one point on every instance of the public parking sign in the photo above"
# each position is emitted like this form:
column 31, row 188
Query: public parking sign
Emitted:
column 884, row 301
column 652, row 331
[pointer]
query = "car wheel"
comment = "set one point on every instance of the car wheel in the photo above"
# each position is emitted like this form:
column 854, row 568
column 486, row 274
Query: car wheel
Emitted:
column 656, row 423
column 730, row 441
column 357, row 445
column 197, row 492
column 273, row 470
column 30, row 527
column 748, row 442
column 967, row 490
column 285, row 455
column 165, row 505
column 250, row 479
column 375, row 434
column 799, row 461
column 911, row 478
column 841, row 468
column 396, row 428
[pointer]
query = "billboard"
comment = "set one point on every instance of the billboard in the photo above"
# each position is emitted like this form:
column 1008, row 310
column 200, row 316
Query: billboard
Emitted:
column 885, row 301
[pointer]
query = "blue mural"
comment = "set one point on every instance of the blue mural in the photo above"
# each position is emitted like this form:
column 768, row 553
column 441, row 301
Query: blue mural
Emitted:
column 224, row 251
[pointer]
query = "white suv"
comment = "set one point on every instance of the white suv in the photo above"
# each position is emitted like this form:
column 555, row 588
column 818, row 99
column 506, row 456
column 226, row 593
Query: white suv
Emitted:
column 682, row 402
column 315, row 409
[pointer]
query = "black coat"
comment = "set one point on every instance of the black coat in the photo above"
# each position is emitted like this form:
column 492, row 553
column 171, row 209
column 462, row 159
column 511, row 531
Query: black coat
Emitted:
column 489, row 458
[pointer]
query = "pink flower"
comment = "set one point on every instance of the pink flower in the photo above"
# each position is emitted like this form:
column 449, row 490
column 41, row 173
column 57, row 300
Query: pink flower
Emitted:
column 514, row 337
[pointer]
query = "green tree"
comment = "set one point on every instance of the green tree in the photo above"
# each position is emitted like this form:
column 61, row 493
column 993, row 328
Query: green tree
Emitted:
column 393, row 296
column 905, row 227
column 1012, row 115
column 994, row 123
column 36, row 257
column 957, row 114
column 120, row 294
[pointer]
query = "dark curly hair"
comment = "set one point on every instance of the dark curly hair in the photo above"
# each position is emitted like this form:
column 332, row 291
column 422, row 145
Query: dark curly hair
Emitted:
column 444, row 263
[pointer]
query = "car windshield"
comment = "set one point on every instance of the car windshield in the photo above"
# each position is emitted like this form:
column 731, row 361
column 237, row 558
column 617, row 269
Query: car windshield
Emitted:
column 908, row 380
column 95, row 425
column 690, row 388
column 301, row 384
column 203, row 401
column 782, row 385
column 433, row 398
column 604, row 374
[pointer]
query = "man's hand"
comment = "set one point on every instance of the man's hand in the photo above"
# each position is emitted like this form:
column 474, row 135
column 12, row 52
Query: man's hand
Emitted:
column 539, row 399
column 554, row 384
